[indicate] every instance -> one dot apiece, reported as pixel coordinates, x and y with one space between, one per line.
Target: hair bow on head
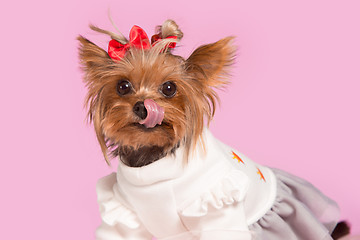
137 39
156 38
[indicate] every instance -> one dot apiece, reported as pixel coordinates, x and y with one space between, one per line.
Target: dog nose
140 110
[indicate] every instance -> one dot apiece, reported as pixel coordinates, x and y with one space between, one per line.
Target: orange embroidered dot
261 175
235 156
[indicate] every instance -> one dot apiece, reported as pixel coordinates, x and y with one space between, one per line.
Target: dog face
150 102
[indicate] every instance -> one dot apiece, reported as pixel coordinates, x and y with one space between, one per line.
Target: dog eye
123 87
168 89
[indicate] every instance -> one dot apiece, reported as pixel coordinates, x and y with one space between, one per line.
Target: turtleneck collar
166 168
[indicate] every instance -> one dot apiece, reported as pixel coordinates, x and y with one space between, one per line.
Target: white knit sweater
216 195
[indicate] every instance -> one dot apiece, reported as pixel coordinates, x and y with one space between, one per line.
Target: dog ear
91 56
95 63
211 62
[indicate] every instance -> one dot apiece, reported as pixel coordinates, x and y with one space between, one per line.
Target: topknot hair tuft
169 28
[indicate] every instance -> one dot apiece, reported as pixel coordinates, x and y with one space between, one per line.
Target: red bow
138 39
156 38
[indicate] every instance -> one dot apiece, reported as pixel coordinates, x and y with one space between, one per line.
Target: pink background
293 102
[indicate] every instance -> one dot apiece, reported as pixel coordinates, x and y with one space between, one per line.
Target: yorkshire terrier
175 180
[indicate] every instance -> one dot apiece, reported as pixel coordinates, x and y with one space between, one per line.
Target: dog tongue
155 114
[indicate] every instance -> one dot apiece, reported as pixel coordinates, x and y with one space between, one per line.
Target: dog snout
140 110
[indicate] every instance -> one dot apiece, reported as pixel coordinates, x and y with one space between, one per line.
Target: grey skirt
300 212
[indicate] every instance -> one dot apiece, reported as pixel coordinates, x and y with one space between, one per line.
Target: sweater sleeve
118 220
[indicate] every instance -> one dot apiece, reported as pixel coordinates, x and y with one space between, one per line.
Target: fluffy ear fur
211 62
209 66
91 56
96 63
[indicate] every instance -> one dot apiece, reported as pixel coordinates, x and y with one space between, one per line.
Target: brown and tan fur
116 125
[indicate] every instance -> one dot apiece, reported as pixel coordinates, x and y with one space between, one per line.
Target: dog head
145 101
